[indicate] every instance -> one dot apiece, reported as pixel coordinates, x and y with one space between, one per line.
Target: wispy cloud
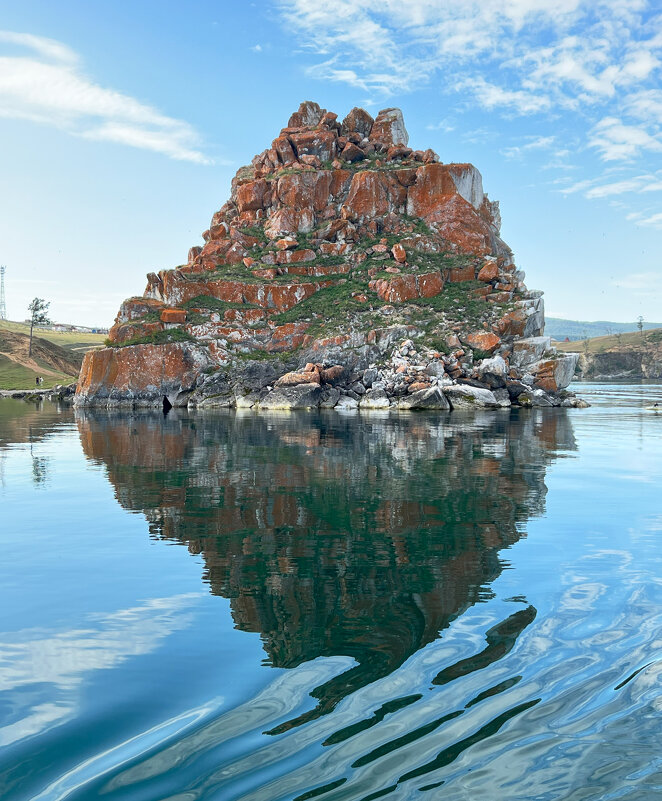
605 187
568 52
617 141
651 221
528 144
44 82
638 281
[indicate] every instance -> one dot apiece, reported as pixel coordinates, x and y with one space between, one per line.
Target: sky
121 126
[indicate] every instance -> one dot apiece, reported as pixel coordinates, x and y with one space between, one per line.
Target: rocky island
346 270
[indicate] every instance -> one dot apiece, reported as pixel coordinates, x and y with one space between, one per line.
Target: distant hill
78 341
559 329
54 364
628 355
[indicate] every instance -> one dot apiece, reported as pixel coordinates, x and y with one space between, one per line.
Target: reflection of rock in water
332 534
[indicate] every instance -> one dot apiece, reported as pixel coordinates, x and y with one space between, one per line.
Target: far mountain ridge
559 328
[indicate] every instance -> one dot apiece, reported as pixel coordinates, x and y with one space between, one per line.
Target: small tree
640 325
38 316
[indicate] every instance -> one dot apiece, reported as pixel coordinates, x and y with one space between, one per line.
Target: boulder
554 374
284 150
502 396
566 364
483 340
309 114
322 144
298 377
489 272
399 253
389 128
357 121
432 398
346 404
462 396
329 397
493 372
529 350
352 153
301 396
375 399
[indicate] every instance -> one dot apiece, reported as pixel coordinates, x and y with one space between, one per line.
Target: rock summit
346 270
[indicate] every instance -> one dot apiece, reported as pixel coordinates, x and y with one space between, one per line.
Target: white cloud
604 187
257 48
591 47
490 96
638 281
617 141
46 85
531 143
442 125
653 221
639 184
645 105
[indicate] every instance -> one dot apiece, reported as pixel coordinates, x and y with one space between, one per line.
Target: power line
3 305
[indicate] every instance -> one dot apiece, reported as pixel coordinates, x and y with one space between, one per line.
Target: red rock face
289 221
459 274
141 372
252 196
305 190
367 197
125 332
173 316
288 337
432 187
135 308
459 223
176 289
295 256
408 287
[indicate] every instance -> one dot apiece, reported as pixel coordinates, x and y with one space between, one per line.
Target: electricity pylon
3 305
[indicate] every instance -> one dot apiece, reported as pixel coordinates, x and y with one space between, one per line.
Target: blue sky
121 126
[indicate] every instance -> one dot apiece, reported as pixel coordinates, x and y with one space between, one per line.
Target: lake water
229 606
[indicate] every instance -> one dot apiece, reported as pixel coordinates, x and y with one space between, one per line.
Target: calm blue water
227 606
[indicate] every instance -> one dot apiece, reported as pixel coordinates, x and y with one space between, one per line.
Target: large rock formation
340 247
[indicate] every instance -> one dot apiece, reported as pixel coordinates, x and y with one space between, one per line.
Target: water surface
230 606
